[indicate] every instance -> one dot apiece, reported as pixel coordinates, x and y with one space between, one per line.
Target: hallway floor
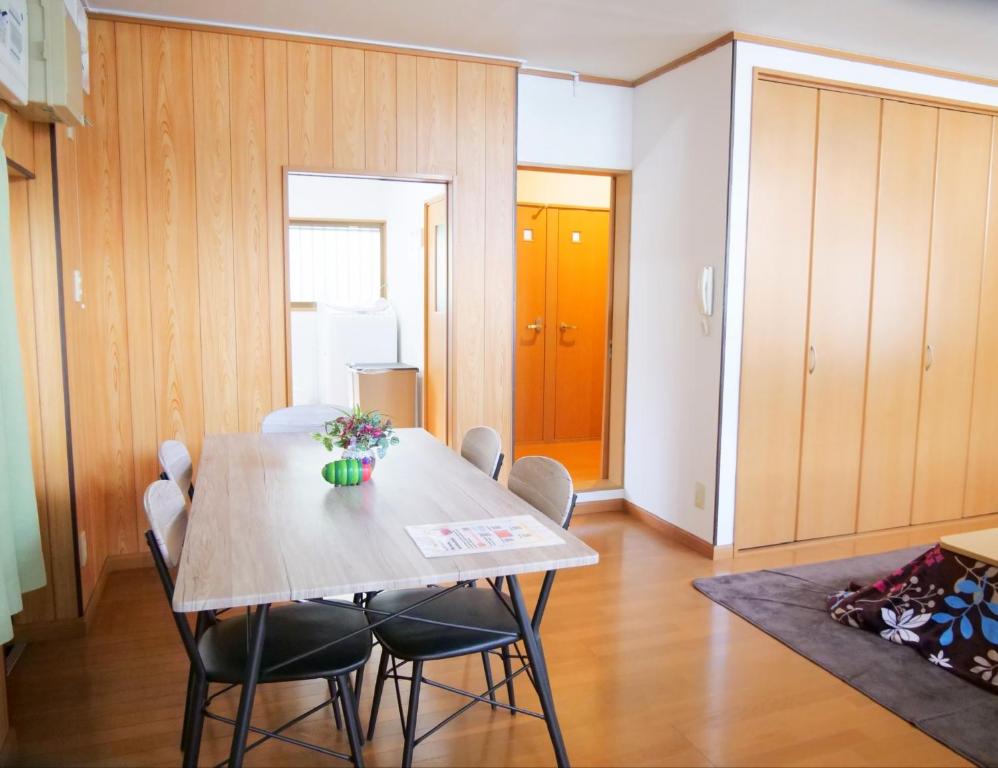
582 458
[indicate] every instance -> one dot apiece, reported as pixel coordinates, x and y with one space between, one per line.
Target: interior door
531 282
958 232
437 302
845 198
982 469
894 373
776 278
580 323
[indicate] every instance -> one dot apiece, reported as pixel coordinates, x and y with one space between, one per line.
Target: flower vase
366 459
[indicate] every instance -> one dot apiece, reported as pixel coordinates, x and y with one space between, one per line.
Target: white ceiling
619 38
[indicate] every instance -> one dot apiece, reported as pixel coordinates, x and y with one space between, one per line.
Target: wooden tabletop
265 527
981 545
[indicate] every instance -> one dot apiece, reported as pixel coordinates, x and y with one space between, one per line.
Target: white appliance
324 342
56 60
13 51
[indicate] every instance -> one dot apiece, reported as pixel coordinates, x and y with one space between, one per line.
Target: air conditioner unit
13 51
55 62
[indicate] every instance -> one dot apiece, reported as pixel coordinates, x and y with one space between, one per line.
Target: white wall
584 125
400 205
681 139
748 57
550 188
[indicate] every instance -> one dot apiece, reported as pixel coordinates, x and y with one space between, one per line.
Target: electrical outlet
700 496
83 549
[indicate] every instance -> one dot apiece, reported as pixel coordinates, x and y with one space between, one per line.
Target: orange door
583 249
531 268
436 298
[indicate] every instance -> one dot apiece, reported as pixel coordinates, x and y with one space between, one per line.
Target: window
340 264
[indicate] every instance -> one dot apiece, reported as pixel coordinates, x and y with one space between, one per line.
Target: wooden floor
582 458
645 670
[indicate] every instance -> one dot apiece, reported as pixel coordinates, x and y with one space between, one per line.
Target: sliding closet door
841 264
982 466
958 231
901 256
776 279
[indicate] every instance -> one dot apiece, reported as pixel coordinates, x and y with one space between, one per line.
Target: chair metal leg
411 715
349 702
251 675
335 703
379 687
487 666
358 686
188 709
535 655
507 668
197 704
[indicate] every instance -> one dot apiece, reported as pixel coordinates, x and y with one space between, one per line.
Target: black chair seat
291 629
417 641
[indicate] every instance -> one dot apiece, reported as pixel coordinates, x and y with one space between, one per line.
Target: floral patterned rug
791 604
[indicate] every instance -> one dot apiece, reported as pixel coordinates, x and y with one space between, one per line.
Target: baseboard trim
128 562
43 631
920 533
599 505
674 533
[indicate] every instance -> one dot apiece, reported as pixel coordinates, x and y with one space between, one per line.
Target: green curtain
21 566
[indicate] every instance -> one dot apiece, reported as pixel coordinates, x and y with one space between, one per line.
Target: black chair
217 650
490 620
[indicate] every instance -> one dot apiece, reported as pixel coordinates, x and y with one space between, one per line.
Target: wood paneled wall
179 187
32 234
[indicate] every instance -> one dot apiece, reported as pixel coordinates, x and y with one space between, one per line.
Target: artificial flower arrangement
362 435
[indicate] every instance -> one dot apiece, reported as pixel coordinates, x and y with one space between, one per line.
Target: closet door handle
812 359
929 356
537 325
567 327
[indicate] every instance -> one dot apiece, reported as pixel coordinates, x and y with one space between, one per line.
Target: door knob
537 325
567 327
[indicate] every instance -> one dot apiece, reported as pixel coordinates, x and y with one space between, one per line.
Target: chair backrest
166 510
546 485
300 418
175 461
482 446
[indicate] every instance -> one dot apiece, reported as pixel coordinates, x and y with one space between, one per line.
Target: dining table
265 527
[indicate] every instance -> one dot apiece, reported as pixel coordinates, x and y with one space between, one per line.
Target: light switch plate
576 237
700 496
528 235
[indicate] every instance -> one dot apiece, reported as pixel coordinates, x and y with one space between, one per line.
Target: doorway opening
566 381
368 295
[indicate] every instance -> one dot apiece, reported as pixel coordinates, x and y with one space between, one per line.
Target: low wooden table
265 528
982 545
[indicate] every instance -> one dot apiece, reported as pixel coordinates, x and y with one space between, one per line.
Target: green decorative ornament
343 472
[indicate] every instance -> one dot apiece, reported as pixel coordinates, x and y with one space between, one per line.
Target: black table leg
252 674
535 655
